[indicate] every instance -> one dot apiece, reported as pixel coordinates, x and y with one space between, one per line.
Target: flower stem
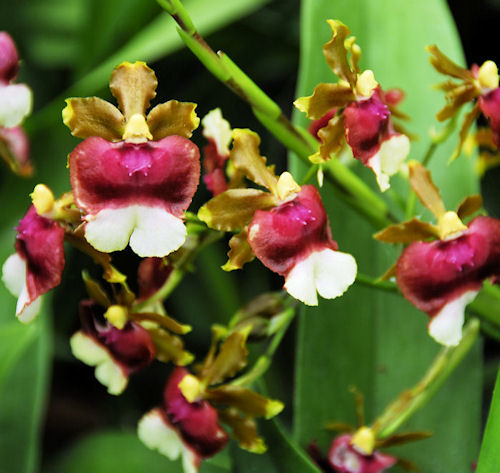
349 186
264 361
368 281
413 399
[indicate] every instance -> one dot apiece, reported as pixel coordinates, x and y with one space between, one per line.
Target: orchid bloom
133 175
442 276
37 265
15 105
479 84
115 352
188 423
286 228
355 108
218 132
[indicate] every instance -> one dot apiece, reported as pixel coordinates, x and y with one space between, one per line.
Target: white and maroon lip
135 192
294 240
15 104
9 59
443 276
37 265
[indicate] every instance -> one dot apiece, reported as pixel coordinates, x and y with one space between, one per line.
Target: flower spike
133 175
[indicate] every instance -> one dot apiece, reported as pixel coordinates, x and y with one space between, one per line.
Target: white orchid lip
15 104
327 272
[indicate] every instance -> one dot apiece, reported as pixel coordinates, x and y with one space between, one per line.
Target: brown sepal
244 430
173 118
133 86
469 120
95 291
93 116
164 321
332 139
446 66
234 208
240 252
425 189
470 205
324 98
336 54
170 348
407 232
401 439
246 157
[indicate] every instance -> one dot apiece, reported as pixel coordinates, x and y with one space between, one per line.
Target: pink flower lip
490 106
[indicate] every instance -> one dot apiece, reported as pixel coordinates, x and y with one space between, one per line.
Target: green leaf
371 339
489 456
123 452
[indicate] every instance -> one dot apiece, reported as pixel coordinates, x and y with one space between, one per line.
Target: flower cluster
355 109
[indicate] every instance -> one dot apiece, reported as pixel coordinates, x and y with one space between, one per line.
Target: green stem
264 361
368 281
487 305
349 186
411 400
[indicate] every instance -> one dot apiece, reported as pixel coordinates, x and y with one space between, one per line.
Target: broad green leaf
377 341
123 452
489 457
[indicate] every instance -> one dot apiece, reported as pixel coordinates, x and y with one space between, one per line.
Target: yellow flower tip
302 103
205 215
273 408
287 186
488 75
117 315
186 329
450 225
366 83
258 446
336 24
190 387
185 359
363 440
229 267
137 129
67 112
320 176
470 144
43 199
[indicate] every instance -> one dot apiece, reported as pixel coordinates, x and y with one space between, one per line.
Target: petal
299 282
246 157
446 66
27 309
110 229
156 433
93 117
331 140
216 128
426 190
133 85
161 173
90 352
234 208
14 149
9 59
336 54
15 104
324 98
446 326
407 232
335 271
156 232
14 274
173 118
240 252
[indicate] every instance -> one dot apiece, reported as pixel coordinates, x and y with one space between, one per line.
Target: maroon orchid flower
134 176
355 110
37 265
115 352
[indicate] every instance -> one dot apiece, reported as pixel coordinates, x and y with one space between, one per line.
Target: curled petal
246 158
331 140
407 232
15 104
173 118
133 86
446 66
426 190
218 130
93 117
244 430
234 208
469 206
240 252
336 54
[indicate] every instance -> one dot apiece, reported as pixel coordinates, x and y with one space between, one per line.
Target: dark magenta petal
431 274
131 347
344 458
366 125
151 276
40 242
490 106
286 234
213 165
197 421
9 59
316 125
15 149
161 173
392 96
